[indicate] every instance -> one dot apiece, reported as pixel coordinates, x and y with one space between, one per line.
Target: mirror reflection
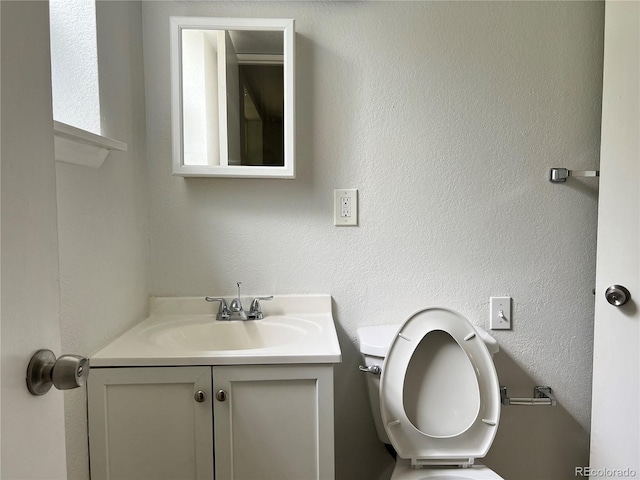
262 114
235 99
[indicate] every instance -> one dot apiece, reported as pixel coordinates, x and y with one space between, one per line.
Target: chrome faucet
235 311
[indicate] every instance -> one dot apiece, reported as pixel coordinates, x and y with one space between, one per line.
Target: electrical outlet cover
345 207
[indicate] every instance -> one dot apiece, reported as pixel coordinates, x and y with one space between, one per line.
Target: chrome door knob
65 372
617 295
200 396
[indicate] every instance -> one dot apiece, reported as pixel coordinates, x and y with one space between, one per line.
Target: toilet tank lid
376 340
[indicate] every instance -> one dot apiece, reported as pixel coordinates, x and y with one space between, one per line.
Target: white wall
102 217
446 116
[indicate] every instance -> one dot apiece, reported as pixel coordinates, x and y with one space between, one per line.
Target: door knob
617 295
200 396
68 371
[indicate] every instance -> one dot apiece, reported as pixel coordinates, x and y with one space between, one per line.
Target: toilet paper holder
541 396
560 175
65 372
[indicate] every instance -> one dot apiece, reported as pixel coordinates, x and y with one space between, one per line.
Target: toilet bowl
434 394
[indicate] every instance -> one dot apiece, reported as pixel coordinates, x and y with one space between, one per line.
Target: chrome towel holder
541 396
560 175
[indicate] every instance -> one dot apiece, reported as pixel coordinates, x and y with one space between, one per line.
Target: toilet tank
374 344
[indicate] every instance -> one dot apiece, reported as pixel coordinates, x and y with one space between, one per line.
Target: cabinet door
276 422
145 423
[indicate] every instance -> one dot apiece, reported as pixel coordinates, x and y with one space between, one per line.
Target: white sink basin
207 334
184 331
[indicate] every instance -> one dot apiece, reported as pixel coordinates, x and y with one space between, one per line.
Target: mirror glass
232 86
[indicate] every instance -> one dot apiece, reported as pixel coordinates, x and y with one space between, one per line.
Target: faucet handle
223 310
255 311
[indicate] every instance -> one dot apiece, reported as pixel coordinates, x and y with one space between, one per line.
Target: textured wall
446 117
74 66
102 217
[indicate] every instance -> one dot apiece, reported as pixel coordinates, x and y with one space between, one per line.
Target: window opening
74 64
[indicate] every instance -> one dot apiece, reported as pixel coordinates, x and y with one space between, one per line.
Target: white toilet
437 399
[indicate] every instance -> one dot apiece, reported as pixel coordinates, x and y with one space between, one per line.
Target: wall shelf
79 147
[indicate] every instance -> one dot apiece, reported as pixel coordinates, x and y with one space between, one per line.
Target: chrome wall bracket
541 396
560 175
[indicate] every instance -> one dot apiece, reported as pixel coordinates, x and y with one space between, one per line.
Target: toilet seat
404 471
439 391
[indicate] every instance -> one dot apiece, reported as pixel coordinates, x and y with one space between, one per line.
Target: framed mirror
232 87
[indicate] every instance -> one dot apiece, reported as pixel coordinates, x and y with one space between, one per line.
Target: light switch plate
345 207
500 313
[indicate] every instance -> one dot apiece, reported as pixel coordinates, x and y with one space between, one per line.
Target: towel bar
541 396
559 175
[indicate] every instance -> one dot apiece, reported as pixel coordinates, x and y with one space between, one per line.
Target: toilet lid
439 391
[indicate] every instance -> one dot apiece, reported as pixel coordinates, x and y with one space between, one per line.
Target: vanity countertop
184 331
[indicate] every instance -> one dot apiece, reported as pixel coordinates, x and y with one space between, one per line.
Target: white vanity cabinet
259 422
